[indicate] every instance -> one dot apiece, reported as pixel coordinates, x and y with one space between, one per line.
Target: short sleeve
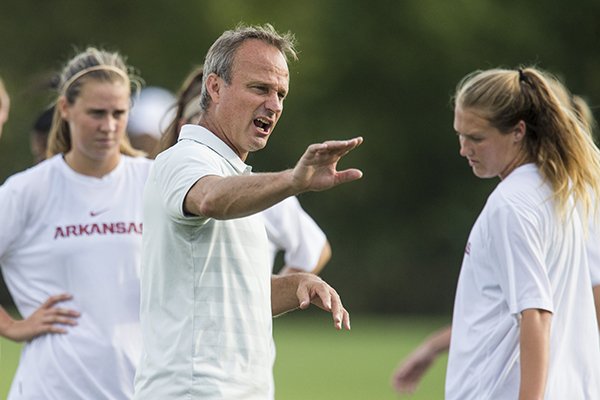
294 232
177 170
517 246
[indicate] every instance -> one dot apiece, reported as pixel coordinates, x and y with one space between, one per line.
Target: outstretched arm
289 292
46 319
238 196
410 371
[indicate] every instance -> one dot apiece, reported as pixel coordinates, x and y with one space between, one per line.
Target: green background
316 362
381 69
385 70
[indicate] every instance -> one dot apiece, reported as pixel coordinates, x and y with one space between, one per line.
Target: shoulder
137 166
137 162
524 186
189 154
37 174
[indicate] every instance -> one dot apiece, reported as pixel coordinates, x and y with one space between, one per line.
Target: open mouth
263 124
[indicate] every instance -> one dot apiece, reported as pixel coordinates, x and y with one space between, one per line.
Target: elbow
204 207
210 209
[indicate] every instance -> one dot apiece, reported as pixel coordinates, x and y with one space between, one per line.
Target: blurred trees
385 70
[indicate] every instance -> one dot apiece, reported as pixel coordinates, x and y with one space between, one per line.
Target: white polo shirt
63 232
206 289
521 256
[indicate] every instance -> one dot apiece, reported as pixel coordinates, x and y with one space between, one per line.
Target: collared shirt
206 289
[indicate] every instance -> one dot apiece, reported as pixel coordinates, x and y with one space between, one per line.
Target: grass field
314 361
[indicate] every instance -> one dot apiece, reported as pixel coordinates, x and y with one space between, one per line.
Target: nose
109 124
464 150
274 103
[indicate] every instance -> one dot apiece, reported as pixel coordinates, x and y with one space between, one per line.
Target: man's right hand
316 169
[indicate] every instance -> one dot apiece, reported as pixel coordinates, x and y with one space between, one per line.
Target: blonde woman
524 323
70 243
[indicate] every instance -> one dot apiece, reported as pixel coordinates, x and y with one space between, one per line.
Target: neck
214 128
521 159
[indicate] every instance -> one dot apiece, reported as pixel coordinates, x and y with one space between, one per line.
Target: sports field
314 361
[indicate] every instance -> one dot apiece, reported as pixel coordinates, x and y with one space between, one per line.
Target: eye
97 113
261 89
118 114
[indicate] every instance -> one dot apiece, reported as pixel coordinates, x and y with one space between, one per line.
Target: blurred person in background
71 239
208 293
4 105
38 137
151 113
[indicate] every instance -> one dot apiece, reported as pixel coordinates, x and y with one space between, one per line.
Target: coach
208 295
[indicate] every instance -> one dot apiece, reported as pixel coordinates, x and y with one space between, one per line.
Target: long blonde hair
91 64
556 139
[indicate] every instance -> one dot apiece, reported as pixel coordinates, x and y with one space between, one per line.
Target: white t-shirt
206 287
291 230
521 256
593 247
63 232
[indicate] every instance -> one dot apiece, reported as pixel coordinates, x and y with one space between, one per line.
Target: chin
483 174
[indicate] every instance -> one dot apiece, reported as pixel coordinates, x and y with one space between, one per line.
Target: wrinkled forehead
255 57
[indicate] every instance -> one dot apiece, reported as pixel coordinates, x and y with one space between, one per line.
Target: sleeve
13 215
517 245
593 249
179 170
292 230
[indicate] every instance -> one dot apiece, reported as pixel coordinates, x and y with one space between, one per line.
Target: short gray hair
220 56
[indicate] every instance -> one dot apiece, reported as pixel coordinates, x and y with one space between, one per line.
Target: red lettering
119 228
58 232
108 228
71 230
83 229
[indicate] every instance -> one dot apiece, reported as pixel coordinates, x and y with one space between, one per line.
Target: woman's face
489 151
97 120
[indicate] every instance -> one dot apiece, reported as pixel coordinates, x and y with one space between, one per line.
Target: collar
200 134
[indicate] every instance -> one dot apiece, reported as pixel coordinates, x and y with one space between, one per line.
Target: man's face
247 109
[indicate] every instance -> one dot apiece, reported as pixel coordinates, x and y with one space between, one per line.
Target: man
208 295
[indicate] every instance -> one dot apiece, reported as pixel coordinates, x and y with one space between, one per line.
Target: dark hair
189 91
43 122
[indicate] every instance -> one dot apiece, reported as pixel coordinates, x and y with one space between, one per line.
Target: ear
520 130
63 107
214 84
